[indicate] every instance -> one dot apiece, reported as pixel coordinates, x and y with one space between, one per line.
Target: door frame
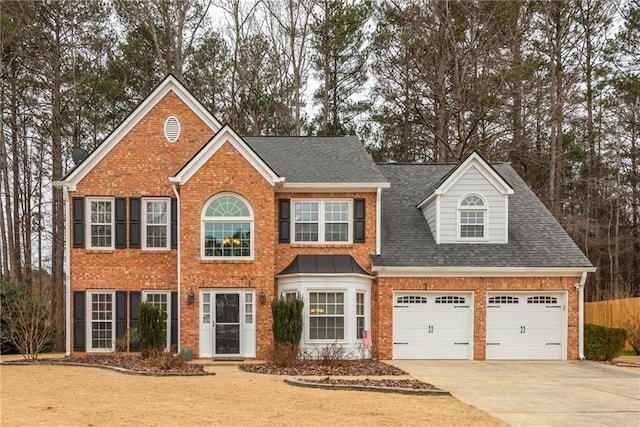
246 317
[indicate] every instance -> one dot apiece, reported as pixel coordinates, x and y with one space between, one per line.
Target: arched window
472 218
227 228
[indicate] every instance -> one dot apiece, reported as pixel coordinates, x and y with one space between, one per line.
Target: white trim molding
169 84
332 187
226 135
383 271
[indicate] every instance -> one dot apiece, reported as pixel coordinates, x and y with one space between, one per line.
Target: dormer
470 204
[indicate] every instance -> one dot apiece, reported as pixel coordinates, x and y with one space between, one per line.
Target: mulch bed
360 367
125 363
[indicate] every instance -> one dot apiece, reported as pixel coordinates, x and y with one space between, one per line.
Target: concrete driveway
539 393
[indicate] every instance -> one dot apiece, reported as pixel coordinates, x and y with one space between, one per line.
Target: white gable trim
473 160
382 271
224 135
169 84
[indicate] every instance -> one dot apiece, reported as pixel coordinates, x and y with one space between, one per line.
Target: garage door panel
432 326
525 325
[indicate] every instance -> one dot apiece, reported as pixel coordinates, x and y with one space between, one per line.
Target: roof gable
169 84
473 160
224 135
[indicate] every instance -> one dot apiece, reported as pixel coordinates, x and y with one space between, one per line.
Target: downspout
378 214
580 287
175 191
67 272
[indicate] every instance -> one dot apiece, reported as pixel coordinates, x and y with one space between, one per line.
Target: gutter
177 193
580 286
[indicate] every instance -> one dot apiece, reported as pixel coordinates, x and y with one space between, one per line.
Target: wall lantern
191 297
263 298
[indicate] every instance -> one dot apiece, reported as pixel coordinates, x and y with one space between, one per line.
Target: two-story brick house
425 261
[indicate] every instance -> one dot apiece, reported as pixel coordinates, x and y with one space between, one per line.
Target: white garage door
526 325
429 325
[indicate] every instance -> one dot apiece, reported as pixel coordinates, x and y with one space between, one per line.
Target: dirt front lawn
82 396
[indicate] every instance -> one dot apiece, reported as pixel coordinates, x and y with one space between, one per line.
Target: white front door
432 325
526 325
227 322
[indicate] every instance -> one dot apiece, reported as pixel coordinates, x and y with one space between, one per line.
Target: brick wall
139 165
382 304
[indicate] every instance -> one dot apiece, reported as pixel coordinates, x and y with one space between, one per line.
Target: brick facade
140 165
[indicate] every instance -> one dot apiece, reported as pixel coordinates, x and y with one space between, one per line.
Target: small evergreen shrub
152 332
287 329
603 343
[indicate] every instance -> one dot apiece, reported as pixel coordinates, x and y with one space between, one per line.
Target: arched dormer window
227 228
472 218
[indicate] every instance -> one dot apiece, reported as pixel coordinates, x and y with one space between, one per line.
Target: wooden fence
613 313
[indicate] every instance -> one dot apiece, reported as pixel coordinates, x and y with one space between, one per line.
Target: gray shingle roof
305 159
536 239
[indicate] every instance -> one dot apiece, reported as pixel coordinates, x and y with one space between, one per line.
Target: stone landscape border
359 387
112 368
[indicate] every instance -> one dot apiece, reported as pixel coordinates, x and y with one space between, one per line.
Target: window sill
155 251
100 251
320 245
227 261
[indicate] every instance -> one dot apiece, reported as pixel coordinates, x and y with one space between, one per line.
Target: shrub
24 320
287 329
333 355
152 332
632 327
602 343
163 361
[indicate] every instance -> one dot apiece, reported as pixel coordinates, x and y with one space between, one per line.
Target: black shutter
121 222
174 320
121 315
78 222
284 222
174 223
78 321
359 220
134 319
134 222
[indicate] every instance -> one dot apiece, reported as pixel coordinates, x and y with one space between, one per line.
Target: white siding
429 212
473 182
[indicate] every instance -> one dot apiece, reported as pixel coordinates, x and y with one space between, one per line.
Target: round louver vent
172 129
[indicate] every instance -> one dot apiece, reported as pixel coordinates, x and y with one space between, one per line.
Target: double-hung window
161 300
227 228
156 220
322 221
101 217
101 320
326 315
472 217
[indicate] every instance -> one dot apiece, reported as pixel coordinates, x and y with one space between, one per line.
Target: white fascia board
226 134
329 187
169 84
323 275
427 200
487 171
382 271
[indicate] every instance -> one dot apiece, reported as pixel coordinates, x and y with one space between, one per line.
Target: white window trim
484 209
88 239
321 221
145 294
345 316
167 202
89 321
243 219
